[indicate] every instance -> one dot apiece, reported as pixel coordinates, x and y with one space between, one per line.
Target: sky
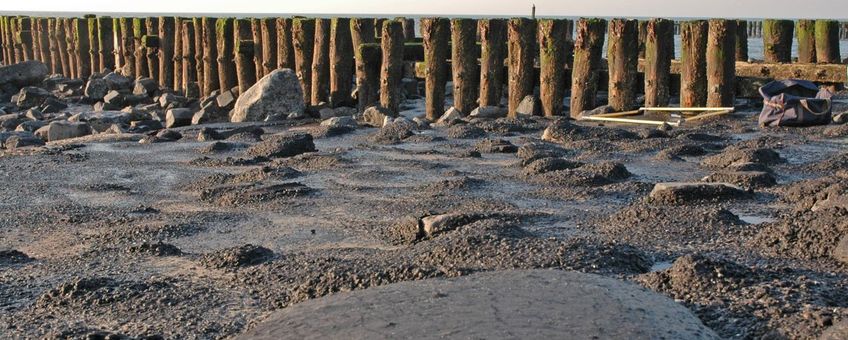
833 9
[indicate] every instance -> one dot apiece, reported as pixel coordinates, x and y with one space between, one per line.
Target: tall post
827 41
588 47
70 46
742 30
392 69
464 63
256 32
94 44
197 24
805 31
269 44
82 47
777 40
178 54
436 34
106 42
285 50
321 62
408 29
138 30
522 33
189 63
4 45
659 46
44 42
643 34
127 46
36 40
623 58
721 68
552 40
55 59
492 52
367 59
166 51
211 80
24 37
244 55
303 33
693 59
151 47
341 62
61 46
226 51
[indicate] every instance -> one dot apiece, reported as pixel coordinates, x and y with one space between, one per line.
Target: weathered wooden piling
82 47
256 32
303 33
152 44
44 42
285 50
106 42
197 23
189 62
623 61
16 50
269 44
742 40
24 37
378 27
166 51
552 39
224 37
777 40
61 46
391 70
588 45
341 62
70 46
321 63
53 45
94 44
659 46
367 60
643 33
522 33
408 29
140 52
36 40
178 54
827 41
721 68
211 80
492 51
805 30
464 63
244 55
436 35
4 45
693 58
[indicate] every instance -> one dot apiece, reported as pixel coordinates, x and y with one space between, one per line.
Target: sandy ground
181 241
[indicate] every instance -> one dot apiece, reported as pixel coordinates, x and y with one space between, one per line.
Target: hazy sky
628 8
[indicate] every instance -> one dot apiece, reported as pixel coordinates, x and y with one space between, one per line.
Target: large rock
375 116
529 106
23 74
32 96
449 117
285 145
678 193
488 112
178 117
118 82
340 122
96 89
526 304
277 93
63 130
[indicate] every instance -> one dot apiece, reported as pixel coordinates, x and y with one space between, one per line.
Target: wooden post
693 58
269 45
623 60
24 37
36 40
643 34
256 32
44 43
659 46
464 64
82 47
777 40
106 43
178 54
3 43
61 46
522 33
552 39
189 63
70 47
53 43
244 50
392 69
378 27
303 33
285 49
436 34
151 47
94 44
341 62
367 59
742 40
588 47
408 29
211 80
806 33
138 31
492 52
827 41
226 51
166 51
321 62
197 25
721 68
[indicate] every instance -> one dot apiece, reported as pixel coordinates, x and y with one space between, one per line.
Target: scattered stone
32 96
178 117
227 99
737 156
20 141
393 132
96 89
209 134
376 115
532 151
345 121
604 109
118 82
489 112
283 145
115 99
549 164
495 146
59 130
679 193
529 106
23 74
218 146
31 125
169 135
746 179
145 87
170 100
277 92
450 117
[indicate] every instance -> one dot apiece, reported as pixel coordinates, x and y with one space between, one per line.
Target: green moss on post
226 66
721 63
827 41
303 36
588 45
806 33
464 62
777 40
623 58
552 39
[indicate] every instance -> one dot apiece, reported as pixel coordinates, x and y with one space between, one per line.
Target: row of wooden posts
201 55
756 29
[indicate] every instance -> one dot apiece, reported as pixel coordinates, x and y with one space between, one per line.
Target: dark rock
285 145
243 256
495 146
178 117
745 179
679 193
31 96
